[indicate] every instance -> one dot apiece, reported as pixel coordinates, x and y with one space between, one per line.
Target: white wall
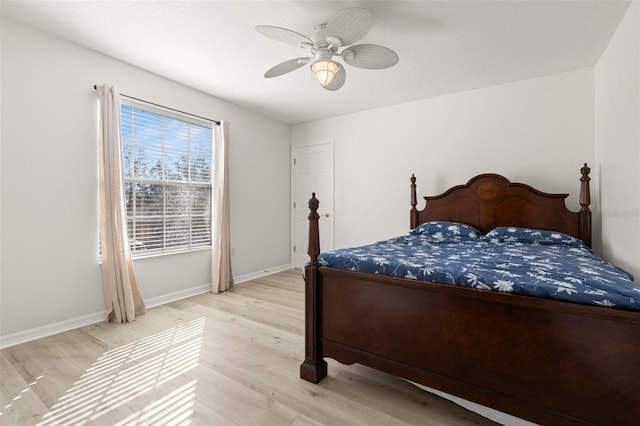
50 277
617 143
538 131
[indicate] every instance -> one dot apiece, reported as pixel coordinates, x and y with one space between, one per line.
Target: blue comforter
514 260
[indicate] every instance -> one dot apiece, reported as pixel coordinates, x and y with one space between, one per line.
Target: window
166 162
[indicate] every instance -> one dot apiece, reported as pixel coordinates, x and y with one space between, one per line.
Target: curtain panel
122 297
221 276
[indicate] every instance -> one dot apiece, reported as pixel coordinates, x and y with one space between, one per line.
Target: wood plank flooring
225 359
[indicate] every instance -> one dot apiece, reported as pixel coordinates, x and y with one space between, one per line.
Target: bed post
413 216
314 367
584 220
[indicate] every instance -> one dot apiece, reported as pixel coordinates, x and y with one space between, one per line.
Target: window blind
167 180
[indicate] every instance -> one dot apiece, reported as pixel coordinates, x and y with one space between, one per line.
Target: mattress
511 260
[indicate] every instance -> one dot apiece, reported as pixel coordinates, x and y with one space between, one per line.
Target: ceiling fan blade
282 34
370 56
285 67
338 80
350 25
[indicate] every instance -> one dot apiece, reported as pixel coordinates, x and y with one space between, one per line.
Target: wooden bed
546 361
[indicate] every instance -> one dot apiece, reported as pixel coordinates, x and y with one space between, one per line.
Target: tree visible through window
167 180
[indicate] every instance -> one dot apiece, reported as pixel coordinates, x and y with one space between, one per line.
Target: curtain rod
165 107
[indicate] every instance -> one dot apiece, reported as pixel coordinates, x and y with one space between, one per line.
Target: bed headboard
491 200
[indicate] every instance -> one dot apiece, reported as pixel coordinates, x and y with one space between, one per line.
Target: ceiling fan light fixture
324 71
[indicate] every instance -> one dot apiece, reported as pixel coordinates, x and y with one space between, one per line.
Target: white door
312 172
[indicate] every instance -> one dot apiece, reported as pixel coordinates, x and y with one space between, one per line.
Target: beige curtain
123 300
221 277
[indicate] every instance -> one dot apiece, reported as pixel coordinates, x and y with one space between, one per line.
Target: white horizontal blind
167 180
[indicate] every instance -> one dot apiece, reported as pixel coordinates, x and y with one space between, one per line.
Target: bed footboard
546 361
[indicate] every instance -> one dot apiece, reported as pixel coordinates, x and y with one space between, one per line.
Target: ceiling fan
341 31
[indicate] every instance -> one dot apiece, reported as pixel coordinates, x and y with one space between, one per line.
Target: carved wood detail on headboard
490 200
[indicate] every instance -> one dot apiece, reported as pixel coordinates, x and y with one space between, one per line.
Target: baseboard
252 276
177 295
194 291
71 324
50 329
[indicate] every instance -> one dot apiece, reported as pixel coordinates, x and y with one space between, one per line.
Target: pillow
446 231
512 234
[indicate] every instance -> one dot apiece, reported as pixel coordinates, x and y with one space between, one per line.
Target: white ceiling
444 46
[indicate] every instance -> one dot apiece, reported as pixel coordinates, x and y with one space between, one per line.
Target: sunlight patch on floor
127 373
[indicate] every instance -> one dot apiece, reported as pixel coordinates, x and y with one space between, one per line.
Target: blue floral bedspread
514 260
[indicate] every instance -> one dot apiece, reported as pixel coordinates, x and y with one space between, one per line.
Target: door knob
326 215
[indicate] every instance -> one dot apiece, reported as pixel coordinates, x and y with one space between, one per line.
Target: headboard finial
585 194
414 202
585 200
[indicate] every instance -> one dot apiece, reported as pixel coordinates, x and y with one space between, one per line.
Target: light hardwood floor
225 359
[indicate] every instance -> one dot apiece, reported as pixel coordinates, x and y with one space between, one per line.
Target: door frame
331 143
